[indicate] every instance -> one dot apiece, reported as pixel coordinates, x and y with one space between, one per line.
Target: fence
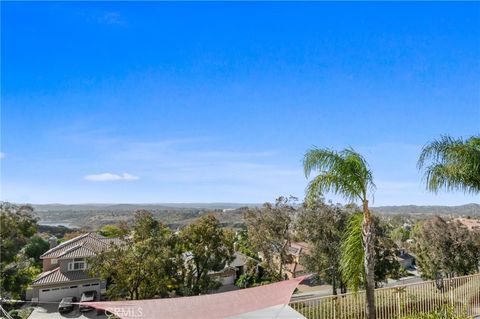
462 294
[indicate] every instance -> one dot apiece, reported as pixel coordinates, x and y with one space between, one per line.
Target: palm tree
452 164
346 173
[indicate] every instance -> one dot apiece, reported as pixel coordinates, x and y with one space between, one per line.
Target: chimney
53 241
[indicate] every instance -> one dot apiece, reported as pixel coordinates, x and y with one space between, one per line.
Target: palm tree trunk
369 260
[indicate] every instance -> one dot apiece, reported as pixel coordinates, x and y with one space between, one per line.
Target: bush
14 314
443 313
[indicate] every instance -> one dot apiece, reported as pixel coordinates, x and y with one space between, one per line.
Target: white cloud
105 177
129 177
2 155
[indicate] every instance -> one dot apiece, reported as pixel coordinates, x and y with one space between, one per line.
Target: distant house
296 250
65 269
470 224
405 259
407 227
233 270
226 276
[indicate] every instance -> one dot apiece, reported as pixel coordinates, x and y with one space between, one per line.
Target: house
233 270
226 276
405 259
65 269
296 250
470 224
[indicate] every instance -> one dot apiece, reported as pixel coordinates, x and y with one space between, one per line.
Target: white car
87 296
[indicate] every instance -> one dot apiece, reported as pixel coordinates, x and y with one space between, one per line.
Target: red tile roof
56 276
82 246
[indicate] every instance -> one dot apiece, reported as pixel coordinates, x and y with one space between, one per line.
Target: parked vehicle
66 305
87 296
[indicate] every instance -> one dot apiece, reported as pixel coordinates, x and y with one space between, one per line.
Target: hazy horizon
207 203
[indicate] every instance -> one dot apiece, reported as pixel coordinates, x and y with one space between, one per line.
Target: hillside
92 216
130 207
468 209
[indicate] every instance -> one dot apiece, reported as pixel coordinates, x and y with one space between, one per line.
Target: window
54 261
77 264
45 290
73 287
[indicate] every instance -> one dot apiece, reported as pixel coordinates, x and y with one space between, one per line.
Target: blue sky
218 102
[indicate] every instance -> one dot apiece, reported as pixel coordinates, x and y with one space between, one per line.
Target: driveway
315 291
50 311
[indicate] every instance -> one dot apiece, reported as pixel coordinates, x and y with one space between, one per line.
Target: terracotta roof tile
56 276
82 246
79 251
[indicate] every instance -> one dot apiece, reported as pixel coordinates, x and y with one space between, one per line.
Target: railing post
335 308
398 291
450 293
398 304
425 297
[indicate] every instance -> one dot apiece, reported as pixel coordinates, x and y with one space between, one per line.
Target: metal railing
461 294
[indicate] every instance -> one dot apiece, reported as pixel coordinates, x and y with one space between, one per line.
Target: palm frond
332 182
344 173
352 253
319 160
360 167
451 164
450 177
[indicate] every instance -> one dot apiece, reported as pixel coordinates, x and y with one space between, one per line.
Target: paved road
404 281
49 311
326 290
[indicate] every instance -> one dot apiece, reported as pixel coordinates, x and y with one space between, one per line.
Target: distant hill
133 207
472 209
468 209
93 216
175 215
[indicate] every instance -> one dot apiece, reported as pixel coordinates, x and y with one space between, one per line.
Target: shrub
443 313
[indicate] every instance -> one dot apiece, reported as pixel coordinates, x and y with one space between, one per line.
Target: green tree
400 235
346 173
452 164
322 227
17 225
145 266
445 249
206 247
269 230
386 250
16 276
113 231
35 247
244 245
